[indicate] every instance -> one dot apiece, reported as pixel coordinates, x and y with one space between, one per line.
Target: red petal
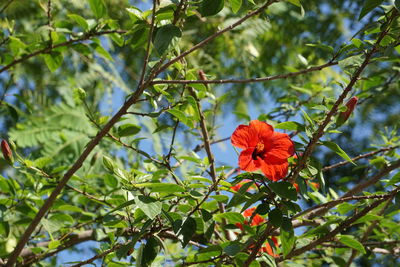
249 212
275 169
244 137
263 129
246 161
281 146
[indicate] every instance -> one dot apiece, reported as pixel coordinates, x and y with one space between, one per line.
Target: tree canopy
206 133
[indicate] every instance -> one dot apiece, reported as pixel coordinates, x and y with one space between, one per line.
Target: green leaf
235 5
107 162
149 206
53 60
284 190
102 52
162 187
98 8
368 7
54 244
287 236
211 7
188 230
78 19
165 36
394 180
128 130
397 5
150 251
231 217
275 217
295 2
233 248
351 242
134 13
178 114
336 148
291 126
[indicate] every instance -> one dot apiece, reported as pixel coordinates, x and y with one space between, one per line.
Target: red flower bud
7 153
202 75
350 105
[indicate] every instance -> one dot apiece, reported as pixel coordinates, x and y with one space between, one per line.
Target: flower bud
202 75
7 153
344 115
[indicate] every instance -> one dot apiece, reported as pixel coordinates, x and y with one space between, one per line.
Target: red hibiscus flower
268 249
257 219
263 149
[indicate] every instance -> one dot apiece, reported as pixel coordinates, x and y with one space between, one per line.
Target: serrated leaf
211 7
336 148
368 7
284 190
351 242
128 130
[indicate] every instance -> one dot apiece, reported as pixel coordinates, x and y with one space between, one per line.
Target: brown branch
335 202
355 190
252 80
213 36
321 129
146 58
50 48
6 5
369 230
342 226
370 154
93 143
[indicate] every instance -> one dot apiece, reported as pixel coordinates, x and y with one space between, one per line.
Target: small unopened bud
350 106
7 153
202 75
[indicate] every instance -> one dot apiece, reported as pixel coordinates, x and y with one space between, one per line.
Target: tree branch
342 226
370 154
321 129
50 48
211 37
252 80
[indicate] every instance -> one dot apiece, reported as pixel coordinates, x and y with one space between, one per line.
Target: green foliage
152 176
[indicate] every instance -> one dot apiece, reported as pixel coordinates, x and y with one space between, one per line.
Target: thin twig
252 80
370 154
369 230
335 202
213 36
93 143
146 58
66 43
342 226
6 5
357 189
321 129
